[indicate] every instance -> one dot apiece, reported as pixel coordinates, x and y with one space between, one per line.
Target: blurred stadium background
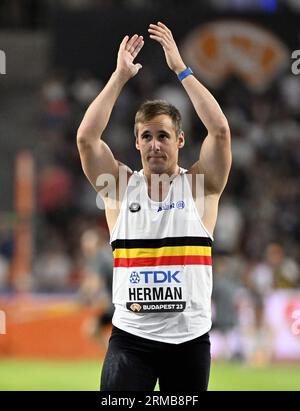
55 262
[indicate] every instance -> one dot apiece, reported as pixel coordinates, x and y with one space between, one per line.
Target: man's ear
137 144
181 140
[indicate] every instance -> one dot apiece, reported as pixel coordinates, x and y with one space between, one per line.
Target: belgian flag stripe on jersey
160 261
160 252
162 242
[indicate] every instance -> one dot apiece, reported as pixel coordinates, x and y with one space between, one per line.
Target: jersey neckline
141 172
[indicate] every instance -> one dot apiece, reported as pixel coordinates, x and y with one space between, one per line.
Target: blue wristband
185 73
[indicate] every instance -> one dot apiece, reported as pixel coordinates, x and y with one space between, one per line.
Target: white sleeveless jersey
162 279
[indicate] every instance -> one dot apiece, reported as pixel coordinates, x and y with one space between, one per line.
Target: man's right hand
129 49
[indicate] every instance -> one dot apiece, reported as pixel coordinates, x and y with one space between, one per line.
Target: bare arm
96 157
215 154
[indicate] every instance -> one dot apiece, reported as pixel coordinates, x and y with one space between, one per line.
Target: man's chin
157 168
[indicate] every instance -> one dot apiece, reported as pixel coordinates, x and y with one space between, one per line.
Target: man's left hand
163 35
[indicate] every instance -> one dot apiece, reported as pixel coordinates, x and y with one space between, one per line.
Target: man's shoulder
195 168
124 174
124 167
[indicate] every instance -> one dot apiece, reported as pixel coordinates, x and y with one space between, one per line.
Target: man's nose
155 145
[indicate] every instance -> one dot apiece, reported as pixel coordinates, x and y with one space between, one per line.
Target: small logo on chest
165 207
134 207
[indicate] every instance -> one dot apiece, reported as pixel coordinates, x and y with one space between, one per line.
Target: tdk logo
165 207
155 277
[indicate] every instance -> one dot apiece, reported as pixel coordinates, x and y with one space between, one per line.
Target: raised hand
163 35
129 49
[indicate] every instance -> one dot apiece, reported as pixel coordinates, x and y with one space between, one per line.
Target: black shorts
134 364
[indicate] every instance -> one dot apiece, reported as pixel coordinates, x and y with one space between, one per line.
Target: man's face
159 145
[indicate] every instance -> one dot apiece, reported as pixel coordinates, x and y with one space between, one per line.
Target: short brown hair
152 108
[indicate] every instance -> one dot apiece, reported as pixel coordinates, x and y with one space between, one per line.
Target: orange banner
236 48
